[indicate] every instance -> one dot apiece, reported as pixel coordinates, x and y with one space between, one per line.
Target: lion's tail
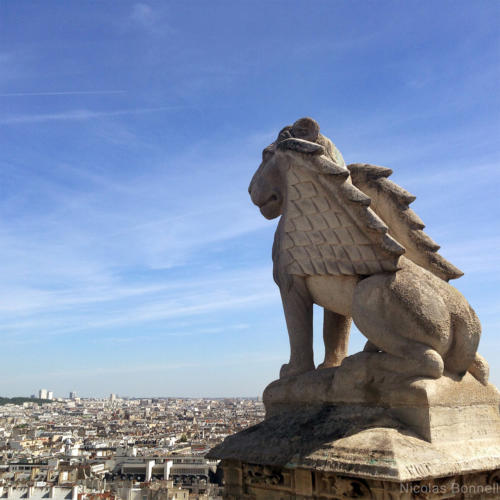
463 356
480 369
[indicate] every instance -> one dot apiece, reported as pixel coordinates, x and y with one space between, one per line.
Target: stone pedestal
343 433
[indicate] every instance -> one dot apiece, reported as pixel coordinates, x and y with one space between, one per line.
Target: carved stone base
446 409
358 441
338 433
246 481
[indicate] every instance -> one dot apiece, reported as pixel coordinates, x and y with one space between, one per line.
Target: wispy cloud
142 14
125 249
181 299
11 66
151 20
81 115
252 357
476 256
62 93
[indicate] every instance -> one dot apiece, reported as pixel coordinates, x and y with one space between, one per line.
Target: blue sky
132 259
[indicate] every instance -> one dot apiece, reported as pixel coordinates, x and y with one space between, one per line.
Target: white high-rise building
42 394
112 397
50 395
72 395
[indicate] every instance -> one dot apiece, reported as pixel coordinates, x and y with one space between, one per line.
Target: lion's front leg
336 330
298 308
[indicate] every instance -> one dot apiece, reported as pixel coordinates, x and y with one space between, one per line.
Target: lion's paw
289 370
285 370
324 365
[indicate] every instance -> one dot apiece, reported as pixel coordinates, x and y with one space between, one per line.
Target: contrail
70 92
79 115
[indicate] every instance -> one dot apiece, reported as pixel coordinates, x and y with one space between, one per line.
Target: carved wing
329 228
391 203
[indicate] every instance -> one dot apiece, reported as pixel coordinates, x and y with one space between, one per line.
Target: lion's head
300 144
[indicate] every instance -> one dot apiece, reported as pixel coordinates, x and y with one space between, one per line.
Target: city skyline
133 261
126 396
138 444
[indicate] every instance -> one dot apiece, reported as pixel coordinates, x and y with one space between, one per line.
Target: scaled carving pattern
322 238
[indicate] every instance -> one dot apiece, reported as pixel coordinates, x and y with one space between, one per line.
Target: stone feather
391 203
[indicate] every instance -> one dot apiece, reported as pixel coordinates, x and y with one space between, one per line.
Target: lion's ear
285 133
302 146
306 128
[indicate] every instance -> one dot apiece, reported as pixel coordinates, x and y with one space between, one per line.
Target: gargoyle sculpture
348 241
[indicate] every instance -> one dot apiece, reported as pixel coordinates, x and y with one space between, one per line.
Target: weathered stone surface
361 441
333 421
356 382
256 482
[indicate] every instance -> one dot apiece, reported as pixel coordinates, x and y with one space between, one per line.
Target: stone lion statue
348 241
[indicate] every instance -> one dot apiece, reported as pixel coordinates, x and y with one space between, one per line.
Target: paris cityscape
144 448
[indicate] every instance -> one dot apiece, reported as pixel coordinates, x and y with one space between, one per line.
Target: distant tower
72 395
50 395
112 397
149 470
42 394
70 448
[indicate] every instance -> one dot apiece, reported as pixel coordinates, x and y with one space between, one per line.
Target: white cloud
152 21
143 14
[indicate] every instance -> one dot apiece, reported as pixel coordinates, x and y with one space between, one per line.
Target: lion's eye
266 155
